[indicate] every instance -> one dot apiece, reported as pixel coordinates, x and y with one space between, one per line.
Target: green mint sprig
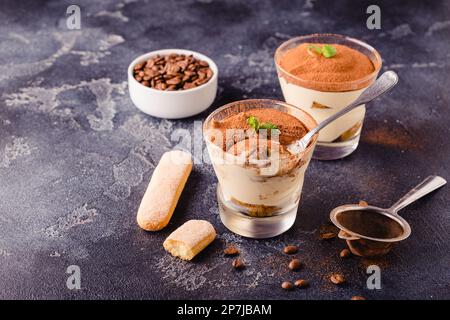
326 50
256 125
253 122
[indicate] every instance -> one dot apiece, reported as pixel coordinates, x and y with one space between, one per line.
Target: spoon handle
383 84
425 187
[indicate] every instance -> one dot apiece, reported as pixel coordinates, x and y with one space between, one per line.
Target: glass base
255 227
335 150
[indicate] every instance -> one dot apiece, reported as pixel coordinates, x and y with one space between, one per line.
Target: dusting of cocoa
381 262
290 128
346 66
392 138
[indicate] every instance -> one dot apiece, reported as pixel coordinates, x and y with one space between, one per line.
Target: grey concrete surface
76 155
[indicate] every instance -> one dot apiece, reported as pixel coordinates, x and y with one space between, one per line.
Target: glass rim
267 101
367 78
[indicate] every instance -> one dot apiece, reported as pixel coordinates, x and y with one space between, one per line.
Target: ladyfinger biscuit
164 190
189 239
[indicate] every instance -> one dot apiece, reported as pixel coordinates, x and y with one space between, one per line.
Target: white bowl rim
196 54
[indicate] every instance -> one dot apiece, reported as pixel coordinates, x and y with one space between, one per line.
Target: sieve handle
425 187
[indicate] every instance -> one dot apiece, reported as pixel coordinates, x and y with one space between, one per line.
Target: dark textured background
76 155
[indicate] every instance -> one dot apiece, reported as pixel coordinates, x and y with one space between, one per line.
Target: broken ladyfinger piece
164 190
189 239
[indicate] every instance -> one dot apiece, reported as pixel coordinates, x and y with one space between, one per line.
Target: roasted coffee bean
201 75
238 264
327 232
231 251
149 72
290 249
173 69
301 283
139 66
182 64
188 85
337 278
161 86
199 82
159 60
286 285
327 235
358 298
363 203
345 253
294 265
173 81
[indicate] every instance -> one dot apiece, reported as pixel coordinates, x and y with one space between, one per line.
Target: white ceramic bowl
172 104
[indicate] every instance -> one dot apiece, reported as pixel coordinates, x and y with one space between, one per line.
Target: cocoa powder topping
291 128
347 65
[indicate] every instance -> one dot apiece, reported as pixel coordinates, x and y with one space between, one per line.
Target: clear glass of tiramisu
260 173
322 74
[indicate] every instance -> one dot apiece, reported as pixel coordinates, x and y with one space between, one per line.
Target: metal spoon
382 85
372 231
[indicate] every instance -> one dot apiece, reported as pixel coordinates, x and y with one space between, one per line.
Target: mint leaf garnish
256 125
253 122
328 51
317 49
268 125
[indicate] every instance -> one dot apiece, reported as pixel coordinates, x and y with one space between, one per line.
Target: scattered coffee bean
327 235
287 285
358 298
290 249
301 283
337 278
173 72
238 264
345 253
363 203
327 232
294 265
231 251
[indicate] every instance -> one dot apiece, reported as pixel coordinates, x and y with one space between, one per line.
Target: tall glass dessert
260 173
322 74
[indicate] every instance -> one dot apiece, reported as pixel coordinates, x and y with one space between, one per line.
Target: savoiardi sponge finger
189 239
164 190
